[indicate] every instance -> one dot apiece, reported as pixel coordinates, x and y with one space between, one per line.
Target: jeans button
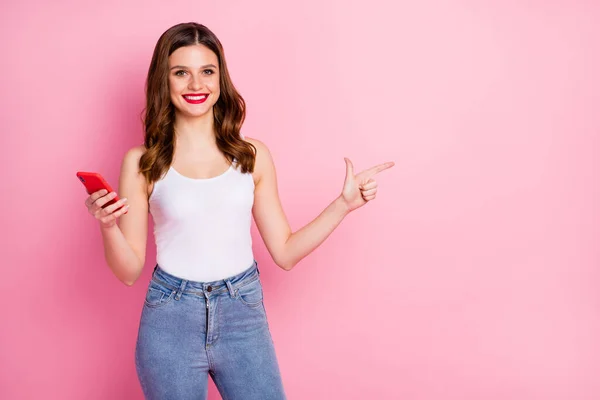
209 289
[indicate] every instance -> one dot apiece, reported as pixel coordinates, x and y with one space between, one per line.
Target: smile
195 98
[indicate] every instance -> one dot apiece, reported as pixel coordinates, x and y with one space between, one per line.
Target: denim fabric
190 329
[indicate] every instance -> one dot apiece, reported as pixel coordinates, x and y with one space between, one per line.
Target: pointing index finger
378 168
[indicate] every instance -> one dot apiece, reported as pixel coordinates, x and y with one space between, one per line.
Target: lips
195 98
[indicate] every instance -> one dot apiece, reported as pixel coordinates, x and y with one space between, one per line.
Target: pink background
473 275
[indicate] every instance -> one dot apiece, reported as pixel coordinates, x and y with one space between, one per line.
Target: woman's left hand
361 188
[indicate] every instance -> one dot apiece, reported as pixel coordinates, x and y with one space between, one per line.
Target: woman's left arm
287 248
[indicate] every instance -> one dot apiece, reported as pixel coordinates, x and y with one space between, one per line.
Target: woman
202 181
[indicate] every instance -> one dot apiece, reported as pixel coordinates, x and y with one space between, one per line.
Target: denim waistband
181 285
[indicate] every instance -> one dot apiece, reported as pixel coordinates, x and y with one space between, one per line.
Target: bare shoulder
130 167
131 160
264 161
135 153
260 146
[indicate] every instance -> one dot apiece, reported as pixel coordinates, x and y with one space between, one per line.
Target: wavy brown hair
158 117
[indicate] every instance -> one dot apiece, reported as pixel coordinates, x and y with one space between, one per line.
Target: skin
195 70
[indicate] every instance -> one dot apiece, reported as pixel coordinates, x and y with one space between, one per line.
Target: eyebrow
204 66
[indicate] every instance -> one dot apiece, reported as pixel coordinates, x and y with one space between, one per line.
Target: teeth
195 97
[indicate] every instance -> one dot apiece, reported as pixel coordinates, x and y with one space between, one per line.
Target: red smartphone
93 182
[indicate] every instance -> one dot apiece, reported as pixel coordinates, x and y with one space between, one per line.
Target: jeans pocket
250 294
157 295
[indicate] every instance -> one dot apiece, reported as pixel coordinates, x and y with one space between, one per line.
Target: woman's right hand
107 216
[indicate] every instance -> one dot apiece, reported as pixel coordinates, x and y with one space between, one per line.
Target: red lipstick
195 98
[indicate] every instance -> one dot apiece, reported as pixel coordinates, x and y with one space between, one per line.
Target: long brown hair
159 115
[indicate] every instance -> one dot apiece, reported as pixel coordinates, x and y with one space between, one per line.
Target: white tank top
202 226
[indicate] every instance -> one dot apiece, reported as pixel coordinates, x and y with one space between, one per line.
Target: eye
209 71
177 72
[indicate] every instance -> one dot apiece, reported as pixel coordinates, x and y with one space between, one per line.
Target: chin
196 113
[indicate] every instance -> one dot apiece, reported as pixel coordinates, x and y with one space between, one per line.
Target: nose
195 83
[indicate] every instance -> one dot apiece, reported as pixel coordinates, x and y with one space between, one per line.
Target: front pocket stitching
250 304
237 295
160 301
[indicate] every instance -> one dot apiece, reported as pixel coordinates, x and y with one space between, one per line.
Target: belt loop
256 262
230 287
181 289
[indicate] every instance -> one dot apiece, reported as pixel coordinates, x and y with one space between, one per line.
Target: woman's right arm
125 243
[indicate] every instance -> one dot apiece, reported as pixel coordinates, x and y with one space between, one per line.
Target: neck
195 133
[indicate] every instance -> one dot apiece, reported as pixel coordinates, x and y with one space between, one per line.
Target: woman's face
194 80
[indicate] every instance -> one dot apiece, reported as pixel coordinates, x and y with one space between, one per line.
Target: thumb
349 167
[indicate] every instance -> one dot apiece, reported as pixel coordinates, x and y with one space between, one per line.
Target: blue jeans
191 329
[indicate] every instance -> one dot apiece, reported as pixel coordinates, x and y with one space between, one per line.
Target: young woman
202 181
